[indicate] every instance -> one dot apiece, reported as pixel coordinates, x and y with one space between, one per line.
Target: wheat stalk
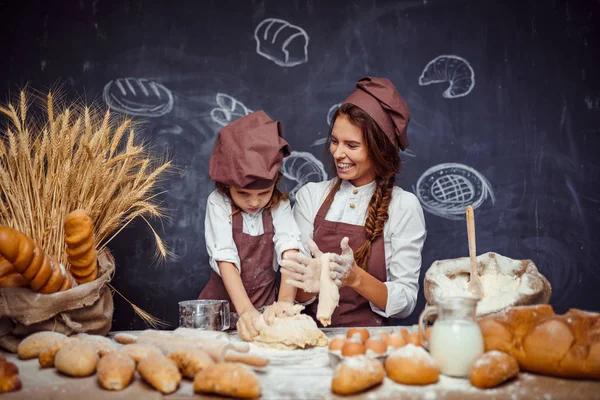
75 157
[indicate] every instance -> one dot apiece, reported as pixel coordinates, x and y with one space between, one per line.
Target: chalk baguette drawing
302 167
138 96
452 69
229 109
446 190
281 42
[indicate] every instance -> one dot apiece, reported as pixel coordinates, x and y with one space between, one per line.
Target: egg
336 343
364 333
396 340
376 344
353 347
385 336
413 338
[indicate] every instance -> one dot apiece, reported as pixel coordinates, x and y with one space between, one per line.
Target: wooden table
301 374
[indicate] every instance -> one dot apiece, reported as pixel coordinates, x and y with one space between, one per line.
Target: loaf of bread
46 358
81 248
9 377
542 342
190 361
356 374
42 272
492 369
77 359
412 365
228 379
160 372
33 345
102 344
115 371
139 351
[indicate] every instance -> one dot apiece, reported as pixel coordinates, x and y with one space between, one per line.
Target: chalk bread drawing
281 42
229 109
408 153
332 111
138 96
302 167
446 190
452 69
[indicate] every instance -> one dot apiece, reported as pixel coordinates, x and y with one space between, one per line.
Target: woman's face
350 153
251 201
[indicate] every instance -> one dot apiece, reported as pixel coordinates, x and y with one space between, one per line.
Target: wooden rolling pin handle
249 359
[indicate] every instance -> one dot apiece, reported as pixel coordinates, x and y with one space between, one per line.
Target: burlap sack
86 308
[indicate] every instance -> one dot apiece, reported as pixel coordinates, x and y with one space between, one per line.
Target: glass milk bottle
456 340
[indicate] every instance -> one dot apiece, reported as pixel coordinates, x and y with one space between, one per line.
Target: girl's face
350 153
251 201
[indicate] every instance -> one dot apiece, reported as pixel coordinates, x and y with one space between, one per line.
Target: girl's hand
304 272
249 324
341 265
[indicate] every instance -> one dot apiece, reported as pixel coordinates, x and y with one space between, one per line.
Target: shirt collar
364 190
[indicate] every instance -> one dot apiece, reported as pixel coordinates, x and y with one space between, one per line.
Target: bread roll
493 368
102 344
81 250
160 372
356 374
9 377
77 359
228 379
34 344
115 371
139 351
190 361
542 342
412 365
125 338
46 358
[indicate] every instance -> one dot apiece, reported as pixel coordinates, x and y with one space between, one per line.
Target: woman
379 228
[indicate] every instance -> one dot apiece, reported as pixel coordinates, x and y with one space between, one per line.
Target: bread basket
506 282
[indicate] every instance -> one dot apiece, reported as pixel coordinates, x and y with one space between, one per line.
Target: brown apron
353 309
256 261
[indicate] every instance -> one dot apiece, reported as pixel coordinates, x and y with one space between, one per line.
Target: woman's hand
304 272
341 265
281 309
249 324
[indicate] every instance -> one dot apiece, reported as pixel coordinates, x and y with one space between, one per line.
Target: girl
249 224
379 227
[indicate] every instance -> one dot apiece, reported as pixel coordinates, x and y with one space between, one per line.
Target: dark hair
386 158
276 197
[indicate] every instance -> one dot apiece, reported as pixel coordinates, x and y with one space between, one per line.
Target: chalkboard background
512 126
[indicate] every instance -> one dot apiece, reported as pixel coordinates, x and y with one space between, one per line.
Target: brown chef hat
379 98
249 152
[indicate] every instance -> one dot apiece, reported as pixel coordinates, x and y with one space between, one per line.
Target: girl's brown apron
353 309
256 260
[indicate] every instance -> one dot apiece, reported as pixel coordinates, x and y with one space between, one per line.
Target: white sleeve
218 232
304 213
287 234
407 235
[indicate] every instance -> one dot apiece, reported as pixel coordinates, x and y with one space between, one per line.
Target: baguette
566 346
115 371
42 272
228 379
160 372
356 374
81 250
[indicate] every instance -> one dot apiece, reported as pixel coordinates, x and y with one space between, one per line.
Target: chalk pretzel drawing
229 109
446 190
302 167
138 96
281 42
452 69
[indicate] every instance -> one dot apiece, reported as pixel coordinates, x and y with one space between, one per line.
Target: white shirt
403 233
218 232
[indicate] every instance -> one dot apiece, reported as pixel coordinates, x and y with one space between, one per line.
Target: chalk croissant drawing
332 111
446 190
281 42
229 109
452 69
138 96
302 167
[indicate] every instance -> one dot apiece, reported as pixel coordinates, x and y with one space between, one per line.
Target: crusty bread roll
160 372
492 369
42 272
139 351
115 371
81 249
125 338
34 344
9 377
190 361
542 342
356 374
46 358
412 365
102 344
228 379
76 359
